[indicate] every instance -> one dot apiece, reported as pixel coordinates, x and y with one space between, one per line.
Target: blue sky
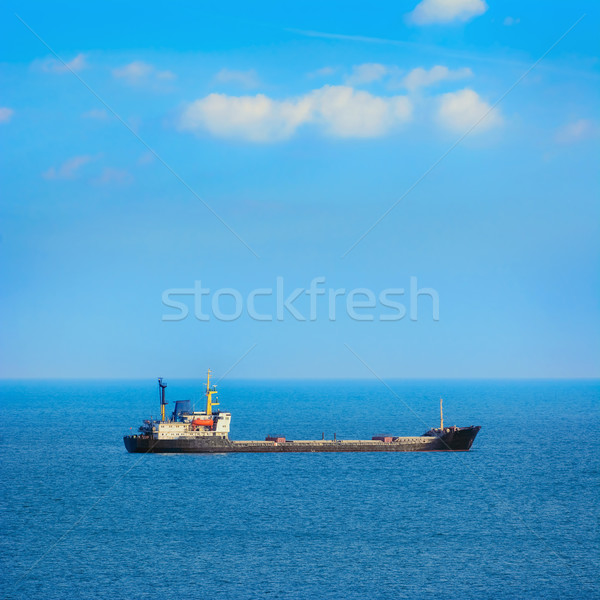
300 125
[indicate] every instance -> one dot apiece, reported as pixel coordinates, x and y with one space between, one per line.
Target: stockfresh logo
301 304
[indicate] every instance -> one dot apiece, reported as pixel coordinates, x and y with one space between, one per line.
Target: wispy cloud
430 12
419 77
322 72
51 65
353 38
339 111
112 176
6 114
69 169
367 73
444 51
577 131
509 21
247 79
458 111
139 73
146 158
96 113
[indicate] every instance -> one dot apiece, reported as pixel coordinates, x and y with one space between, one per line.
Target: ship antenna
441 415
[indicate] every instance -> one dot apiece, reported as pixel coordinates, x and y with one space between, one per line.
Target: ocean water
517 517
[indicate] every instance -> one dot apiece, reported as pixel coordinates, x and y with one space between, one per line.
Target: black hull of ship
457 439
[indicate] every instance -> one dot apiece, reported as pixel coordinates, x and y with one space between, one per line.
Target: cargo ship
207 432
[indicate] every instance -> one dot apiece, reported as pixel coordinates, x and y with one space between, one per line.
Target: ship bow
461 438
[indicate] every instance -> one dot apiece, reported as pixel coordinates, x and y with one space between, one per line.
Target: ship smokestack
161 393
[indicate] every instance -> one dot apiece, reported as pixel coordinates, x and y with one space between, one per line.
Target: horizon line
397 378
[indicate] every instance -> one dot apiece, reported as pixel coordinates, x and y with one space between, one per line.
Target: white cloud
254 118
114 176
420 77
577 131
96 113
458 111
69 169
141 73
6 114
508 21
340 111
345 112
366 73
51 65
248 79
446 11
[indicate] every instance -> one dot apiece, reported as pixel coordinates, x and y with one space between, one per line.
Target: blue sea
516 517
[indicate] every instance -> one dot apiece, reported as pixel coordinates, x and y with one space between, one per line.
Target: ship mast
441 415
161 392
209 393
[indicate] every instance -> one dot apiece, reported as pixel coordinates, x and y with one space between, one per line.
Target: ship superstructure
207 431
187 423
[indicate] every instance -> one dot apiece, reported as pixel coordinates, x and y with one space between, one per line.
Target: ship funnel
161 395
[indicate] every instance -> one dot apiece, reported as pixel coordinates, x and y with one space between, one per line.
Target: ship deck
331 445
397 440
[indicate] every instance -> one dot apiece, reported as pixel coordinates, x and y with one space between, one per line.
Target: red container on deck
383 438
278 440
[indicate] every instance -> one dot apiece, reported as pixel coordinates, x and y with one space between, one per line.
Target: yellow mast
209 393
441 415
